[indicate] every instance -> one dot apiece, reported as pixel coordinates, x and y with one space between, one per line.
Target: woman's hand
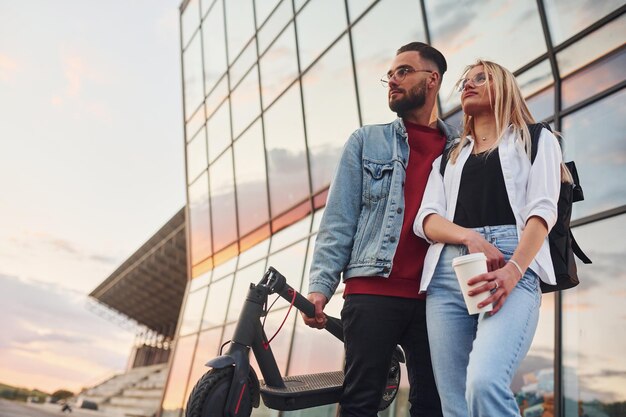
475 243
502 280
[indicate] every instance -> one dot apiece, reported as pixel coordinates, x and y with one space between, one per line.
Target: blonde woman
491 199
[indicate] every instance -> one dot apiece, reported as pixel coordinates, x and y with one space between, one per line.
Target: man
366 234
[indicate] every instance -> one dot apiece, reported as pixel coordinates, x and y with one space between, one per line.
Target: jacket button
392 239
399 210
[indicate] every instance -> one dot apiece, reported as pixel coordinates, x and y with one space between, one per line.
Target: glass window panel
243 278
207 348
290 263
254 253
594 138
461 32
329 123
243 63
223 201
594 323
357 7
192 75
279 66
304 288
224 269
239 25
218 131
192 315
281 343
311 40
373 53
251 178
536 78
290 234
568 17
541 105
275 23
200 281
214 46
298 4
592 46
314 351
194 123
264 8
196 156
199 219
178 376
286 158
245 102
534 380
594 79
217 302
190 20
205 6
317 220
216 97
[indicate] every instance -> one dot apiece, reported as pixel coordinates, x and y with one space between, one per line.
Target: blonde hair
509 108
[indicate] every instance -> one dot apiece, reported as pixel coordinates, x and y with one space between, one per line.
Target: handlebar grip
334 327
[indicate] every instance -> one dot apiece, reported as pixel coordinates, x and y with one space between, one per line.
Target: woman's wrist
517 267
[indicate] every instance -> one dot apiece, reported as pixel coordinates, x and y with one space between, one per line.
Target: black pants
373 325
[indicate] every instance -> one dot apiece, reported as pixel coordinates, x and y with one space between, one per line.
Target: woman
491 199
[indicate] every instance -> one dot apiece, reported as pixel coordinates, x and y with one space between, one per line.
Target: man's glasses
477 80
399 75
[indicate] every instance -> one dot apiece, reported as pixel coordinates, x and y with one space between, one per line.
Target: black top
483 200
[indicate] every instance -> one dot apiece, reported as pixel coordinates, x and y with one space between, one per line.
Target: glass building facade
273 89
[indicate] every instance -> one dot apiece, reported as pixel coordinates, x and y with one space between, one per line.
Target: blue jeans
475 357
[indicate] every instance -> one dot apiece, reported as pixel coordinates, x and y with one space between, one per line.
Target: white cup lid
472 257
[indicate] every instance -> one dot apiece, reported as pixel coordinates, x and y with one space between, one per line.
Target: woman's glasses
477 80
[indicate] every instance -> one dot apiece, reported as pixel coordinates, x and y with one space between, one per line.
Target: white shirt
533 190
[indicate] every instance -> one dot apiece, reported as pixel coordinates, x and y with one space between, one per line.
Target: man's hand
319 301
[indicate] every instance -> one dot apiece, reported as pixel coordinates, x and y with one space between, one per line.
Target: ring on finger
497 285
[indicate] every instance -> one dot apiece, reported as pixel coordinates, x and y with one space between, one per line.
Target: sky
91 166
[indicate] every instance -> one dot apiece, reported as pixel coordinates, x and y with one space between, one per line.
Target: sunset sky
91 165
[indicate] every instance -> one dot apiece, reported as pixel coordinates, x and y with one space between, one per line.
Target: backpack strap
578 251
444 160
535 132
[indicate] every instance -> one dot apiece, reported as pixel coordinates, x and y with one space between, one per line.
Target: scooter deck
304 391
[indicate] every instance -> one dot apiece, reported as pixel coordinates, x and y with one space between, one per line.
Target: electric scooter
231 388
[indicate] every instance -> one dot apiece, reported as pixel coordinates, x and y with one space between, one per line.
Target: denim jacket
358 236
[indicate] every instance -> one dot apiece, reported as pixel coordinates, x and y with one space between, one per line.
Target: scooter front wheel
208 397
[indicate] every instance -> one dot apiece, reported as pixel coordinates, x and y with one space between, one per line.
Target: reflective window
216 97
311 40
243 278
317 219
214 46
373 53
290 234
192 75
199 219
196 156
533 383
218 131
254 253
279 66
537 83
250 174
190 20
286 158
541 105
282 341
592 46
594 79
290 263
178 376
304 288
243 64
329 123
357 7
224 269
245 102
567 17
274 25
200 281
594 322
217 302
316 351
263 8
486 29
194 123
239 25
223 201
594 138
208 347
192 315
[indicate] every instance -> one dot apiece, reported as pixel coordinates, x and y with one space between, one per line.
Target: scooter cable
293 300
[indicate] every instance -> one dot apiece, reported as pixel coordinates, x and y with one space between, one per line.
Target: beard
413 99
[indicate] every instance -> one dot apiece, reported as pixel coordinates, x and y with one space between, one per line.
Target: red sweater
425 145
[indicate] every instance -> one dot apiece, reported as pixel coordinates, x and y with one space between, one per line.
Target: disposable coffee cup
467 267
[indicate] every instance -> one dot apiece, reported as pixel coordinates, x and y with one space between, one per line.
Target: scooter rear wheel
208 397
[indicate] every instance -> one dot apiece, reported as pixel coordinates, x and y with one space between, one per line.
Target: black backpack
563 246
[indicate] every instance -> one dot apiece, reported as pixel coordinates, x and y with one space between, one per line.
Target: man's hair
426 52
